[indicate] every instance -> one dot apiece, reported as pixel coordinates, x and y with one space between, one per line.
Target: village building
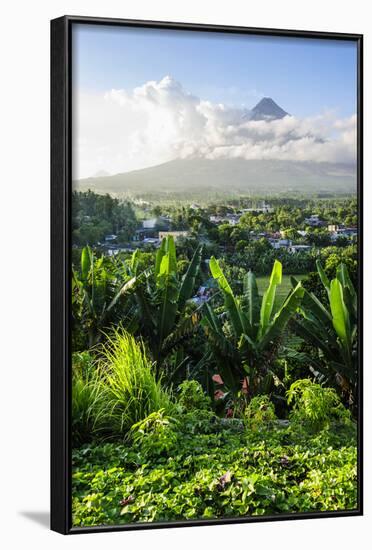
151 227
314 221
175 234
280 243
110 238
299 248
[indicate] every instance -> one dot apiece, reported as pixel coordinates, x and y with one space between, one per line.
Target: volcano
267 109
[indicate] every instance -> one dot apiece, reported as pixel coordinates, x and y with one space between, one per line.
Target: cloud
124 130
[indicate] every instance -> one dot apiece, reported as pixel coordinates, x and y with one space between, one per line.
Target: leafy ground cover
210 470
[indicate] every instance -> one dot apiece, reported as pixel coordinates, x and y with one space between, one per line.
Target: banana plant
332 330
96 291
162 302
245 338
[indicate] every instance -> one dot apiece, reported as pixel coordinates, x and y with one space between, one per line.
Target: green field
282 290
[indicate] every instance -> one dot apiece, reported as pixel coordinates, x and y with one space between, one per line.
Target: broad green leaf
167 285
170 249
86 261
269 297
313 333
211 318
281 319
350 295
310 302
189 279
124 289
340 316
294 281
218 275
231 304
134 261
344 278
323 276
183 331
159 256
276 273
253 302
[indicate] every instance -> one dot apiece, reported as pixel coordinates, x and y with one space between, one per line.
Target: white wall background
24 271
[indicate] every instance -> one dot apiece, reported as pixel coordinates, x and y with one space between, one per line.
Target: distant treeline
95 216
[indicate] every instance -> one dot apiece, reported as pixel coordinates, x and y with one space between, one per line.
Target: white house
313 221
299 248
110 238
280 243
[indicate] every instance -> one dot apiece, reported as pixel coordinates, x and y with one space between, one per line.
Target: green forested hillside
196 178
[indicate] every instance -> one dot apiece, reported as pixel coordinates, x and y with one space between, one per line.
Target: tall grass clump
85 398
129 390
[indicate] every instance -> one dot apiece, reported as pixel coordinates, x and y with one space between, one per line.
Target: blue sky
304 76
144 97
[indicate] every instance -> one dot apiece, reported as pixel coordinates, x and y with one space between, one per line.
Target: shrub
191 396
315 406
260 413
129 390
156 434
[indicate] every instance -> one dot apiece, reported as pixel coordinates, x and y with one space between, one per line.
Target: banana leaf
188 282
323 276
181 333
269 297
253 312
159 256
310 303
350 295
167 284
134 262
86 263
285 313
231 304
340 317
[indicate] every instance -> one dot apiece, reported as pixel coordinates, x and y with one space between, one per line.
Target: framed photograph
206 300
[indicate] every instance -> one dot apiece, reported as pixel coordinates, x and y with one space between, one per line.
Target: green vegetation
120 390
333 330
214 373
283 290
245 345
196 179
95 216
171 471
315 406
260 413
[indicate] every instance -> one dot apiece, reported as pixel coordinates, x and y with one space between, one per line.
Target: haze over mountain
226 151
101 174
203 177
131 129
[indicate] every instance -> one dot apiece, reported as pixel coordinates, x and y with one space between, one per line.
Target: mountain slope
267 109
202 177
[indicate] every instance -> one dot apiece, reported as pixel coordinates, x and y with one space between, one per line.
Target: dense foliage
117 391
172 471
214 374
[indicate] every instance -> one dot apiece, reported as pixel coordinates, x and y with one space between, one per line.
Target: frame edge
59 456
60 208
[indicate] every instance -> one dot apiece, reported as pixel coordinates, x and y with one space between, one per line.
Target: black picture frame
61 172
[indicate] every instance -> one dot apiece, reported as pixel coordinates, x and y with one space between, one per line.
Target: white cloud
125 130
